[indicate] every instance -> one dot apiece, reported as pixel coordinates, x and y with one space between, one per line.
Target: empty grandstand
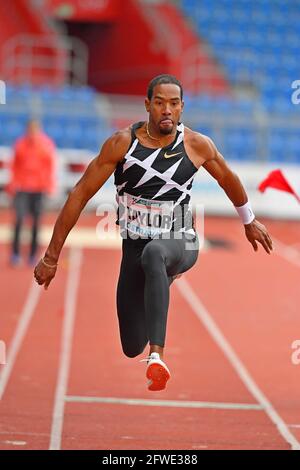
77 70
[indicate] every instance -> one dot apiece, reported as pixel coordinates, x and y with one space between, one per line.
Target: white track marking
207 320
164 403
23 433
287 252
21 330
66 348
15 443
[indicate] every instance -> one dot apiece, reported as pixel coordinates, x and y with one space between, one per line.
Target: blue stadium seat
257 43
12 130
68 114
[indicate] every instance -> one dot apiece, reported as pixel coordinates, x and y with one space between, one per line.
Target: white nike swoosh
166 155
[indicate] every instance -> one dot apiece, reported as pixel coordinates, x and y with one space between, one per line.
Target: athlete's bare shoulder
116 146
121 139
200 148
201 144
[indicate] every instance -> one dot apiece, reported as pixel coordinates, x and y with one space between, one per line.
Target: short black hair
163 79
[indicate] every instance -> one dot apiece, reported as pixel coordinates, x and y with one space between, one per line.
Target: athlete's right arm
96 174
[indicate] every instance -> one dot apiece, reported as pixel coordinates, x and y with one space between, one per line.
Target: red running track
232 321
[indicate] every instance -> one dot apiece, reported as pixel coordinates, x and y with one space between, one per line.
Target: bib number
145 217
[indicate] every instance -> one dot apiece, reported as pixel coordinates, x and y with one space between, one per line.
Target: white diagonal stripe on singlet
146 164
132 148
185 191
180 128
166 175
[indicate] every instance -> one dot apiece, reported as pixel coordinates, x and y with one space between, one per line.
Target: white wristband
246 213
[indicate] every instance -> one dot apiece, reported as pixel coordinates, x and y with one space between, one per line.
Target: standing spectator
32 176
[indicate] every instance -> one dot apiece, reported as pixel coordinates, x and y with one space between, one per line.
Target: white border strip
66 348
192 299
21 330
164 403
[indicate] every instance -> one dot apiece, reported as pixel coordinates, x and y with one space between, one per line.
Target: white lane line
65 348
287 252
21 330
192 299
164 403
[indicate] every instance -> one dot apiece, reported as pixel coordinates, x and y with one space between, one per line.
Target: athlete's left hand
257 232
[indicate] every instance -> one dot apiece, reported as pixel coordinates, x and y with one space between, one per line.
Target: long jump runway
231 325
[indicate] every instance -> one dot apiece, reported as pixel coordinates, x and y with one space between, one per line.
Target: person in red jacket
32 176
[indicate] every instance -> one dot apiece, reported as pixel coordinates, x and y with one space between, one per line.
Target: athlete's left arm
229 181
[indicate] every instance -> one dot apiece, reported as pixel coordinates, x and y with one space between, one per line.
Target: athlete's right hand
44 274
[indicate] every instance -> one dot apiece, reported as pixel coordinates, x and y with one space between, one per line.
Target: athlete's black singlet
154 187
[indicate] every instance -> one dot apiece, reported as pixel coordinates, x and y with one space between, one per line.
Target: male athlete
154 164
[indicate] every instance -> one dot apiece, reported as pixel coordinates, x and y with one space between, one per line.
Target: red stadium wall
18 17
129 42
121 54
84 10
143 41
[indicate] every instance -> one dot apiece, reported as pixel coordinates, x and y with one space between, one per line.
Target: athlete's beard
166 131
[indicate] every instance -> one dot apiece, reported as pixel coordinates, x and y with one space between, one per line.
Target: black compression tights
146 272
